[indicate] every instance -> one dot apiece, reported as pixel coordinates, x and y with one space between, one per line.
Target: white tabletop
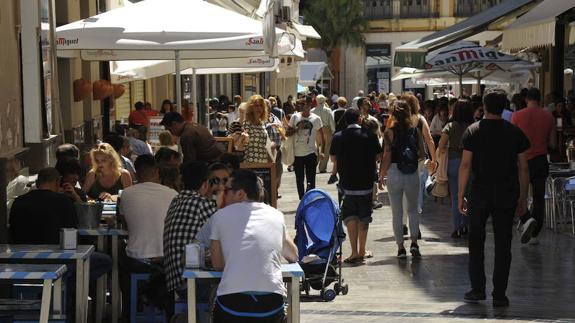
13 251
288 270
31 271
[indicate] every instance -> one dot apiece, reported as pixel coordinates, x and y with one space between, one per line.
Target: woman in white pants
399 172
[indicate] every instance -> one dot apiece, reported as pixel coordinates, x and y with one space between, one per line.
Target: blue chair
149 314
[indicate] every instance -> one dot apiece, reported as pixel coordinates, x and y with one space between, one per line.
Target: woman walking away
450 143
398 171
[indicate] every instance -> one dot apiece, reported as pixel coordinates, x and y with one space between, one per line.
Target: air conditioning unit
285 14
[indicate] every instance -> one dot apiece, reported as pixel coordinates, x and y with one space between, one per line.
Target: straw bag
436 184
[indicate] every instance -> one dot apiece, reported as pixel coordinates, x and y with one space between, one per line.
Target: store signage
378 50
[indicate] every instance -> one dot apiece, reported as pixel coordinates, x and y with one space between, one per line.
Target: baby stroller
319 235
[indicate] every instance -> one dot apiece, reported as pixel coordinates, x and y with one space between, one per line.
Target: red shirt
151 112
537 124
139 117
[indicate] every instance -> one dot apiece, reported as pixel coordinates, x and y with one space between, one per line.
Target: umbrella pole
479 84
194 95
178 82
460 84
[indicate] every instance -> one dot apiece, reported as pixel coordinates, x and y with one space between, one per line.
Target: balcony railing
383 9
417 9
467 8
378 9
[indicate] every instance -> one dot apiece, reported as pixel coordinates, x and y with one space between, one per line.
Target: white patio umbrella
163 30
467 58
127 71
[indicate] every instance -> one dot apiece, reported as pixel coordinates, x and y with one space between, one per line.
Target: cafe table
51 254
48 274
112 235
291 274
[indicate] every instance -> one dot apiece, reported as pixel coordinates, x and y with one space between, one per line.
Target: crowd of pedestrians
187 189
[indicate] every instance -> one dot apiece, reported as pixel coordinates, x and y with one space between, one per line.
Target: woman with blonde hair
167 140
254 126
107 177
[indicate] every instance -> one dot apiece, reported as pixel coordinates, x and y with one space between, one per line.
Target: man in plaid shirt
187 213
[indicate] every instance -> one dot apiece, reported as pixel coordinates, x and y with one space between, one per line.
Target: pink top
537 125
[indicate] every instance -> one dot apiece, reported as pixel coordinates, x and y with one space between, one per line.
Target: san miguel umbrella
163 30
467 58
512 74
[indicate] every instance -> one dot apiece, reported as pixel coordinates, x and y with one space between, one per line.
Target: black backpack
407 146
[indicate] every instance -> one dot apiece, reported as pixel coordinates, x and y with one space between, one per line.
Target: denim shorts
357 207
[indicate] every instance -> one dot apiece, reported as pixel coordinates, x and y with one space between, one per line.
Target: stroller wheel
344 289
328 295
336 288
305 287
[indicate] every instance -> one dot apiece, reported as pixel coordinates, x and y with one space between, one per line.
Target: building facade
396 22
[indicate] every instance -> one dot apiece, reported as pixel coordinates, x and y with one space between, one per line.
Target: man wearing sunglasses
248 240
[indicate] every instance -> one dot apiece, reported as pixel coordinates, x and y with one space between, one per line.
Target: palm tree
339 23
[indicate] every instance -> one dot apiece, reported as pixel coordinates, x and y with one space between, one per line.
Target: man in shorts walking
354 151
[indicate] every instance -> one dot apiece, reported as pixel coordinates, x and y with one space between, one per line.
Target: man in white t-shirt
248 240
309 138
143 207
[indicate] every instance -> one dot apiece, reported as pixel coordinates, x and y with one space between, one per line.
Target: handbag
436 188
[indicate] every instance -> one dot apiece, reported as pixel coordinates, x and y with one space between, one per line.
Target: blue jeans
459 220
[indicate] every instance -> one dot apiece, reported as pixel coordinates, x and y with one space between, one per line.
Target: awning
413 53
311 72
537 27
305 31
244 7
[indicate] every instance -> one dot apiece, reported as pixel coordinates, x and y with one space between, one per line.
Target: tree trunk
334 56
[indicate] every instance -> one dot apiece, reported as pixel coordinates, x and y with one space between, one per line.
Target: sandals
353 260
368 254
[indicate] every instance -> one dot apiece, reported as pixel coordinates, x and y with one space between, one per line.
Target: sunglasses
218 181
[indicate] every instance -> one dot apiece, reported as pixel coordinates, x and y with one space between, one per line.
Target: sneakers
414 249
474 296
401 253
377 205
534 241
527 230
501 301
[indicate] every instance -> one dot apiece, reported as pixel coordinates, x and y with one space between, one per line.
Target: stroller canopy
316 224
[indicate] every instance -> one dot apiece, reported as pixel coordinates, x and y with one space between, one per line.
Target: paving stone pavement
386 289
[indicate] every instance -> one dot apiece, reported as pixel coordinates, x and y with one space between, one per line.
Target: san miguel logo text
255 41
66 42
259 61
465 55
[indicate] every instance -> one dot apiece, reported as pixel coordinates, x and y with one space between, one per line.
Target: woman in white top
439 121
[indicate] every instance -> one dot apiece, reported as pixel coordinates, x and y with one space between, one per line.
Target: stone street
387 289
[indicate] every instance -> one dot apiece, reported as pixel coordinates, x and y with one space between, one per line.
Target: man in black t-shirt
354 151
494 152
37 216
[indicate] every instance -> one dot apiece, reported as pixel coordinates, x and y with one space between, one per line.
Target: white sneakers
527 230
